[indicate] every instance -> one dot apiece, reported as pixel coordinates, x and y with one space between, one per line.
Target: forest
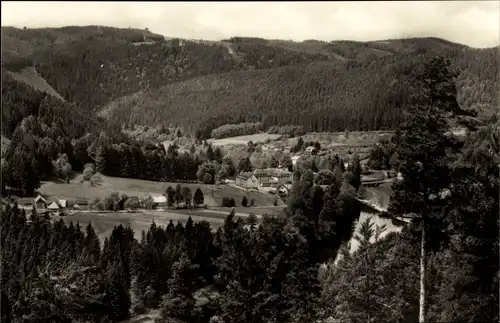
357 85
442 267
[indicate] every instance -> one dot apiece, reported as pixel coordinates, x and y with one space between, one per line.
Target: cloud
474 23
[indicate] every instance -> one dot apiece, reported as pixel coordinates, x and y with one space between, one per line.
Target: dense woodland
204 85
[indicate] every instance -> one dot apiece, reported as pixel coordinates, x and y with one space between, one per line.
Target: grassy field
341 139
140 188
243 140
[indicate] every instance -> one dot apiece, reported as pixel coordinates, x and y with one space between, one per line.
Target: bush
228 202
100 206
132 203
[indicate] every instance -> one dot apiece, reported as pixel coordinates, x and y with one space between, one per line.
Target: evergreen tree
91 248
355 168
116 294
210 153
198 198
244 201
179 303
170 196
178 195
421 143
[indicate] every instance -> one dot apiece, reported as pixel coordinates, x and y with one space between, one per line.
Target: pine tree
170 196
210 153
178 195
244 201
116 295
198 198
420 143
179 303
356 171
91 249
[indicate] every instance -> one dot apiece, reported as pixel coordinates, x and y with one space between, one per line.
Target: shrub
228 202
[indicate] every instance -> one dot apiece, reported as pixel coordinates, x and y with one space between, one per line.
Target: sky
473 23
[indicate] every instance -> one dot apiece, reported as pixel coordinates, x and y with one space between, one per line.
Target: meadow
243 140
213 194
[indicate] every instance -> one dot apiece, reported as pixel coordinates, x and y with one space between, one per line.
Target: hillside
321 96
30 77
133 76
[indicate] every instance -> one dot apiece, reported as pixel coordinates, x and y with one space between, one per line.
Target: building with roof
160 200
40 202
273 177
247 180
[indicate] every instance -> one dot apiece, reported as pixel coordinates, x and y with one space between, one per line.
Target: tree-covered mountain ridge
134 77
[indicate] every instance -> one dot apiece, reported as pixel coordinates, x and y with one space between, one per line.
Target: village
270 186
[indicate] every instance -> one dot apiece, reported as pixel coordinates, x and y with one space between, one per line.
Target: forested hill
133 76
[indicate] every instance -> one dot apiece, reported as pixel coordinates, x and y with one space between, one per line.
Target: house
58 205
63 203
40 202
272 177
247 180
160 200
294 160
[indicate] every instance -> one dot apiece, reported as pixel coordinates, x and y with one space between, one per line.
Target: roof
160 199
311 148
63 203
245 176
40 198
272 172
53 206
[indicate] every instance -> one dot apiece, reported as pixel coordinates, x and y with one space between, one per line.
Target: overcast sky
474 23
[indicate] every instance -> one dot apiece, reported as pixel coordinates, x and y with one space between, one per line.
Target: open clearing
134 187
243 140
31 77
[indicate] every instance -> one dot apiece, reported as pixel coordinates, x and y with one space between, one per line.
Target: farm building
40 202
247 180
58 205
272 177
160 200
294 160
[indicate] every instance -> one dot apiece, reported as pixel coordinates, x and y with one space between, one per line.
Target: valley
284 178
